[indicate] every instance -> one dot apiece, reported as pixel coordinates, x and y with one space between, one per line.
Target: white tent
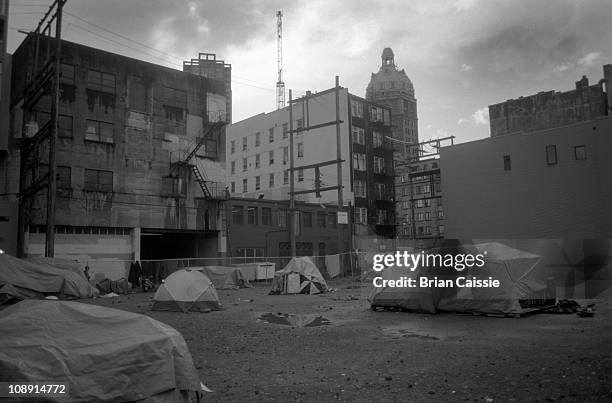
300 276
186 290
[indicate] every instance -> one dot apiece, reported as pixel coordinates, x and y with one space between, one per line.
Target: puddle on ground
294 320
408 333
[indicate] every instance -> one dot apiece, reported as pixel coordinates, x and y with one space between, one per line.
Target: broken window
99 131
99 81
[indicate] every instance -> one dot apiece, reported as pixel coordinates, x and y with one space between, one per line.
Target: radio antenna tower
280 85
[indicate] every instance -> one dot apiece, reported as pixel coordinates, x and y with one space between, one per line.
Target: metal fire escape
210 189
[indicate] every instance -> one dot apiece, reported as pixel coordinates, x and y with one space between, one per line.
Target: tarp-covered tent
58 263
103 354
308 278
224 277
29 279
186 290
515 270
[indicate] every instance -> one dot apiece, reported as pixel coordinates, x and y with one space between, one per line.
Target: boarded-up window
99 81
137 95
174 97
99 131
98 181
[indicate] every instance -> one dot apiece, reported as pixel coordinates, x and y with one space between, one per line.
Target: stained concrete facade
550 109
126 129
551 183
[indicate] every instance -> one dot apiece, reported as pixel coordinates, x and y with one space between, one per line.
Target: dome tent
186 290
303 272
102 354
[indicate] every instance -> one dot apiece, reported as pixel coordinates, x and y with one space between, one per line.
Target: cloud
466 67
481 116
563 67
589 58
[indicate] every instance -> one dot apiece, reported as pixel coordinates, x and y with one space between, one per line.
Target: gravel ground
363 356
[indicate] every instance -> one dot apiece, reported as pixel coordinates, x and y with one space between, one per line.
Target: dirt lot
388 356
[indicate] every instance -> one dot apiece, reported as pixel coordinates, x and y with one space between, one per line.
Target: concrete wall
532 200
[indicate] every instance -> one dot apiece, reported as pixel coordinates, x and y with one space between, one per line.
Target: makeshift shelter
186 290
300 276
515 270
38 279
102 354
224 278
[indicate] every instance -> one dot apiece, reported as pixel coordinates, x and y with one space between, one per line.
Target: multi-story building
552 183
208 66
392 87
546 110
138 169
420 195
258 156
259 228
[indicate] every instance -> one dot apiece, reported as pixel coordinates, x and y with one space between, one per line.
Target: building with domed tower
418 209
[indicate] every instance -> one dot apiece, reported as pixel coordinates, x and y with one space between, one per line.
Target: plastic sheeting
43 277
103 354
224 277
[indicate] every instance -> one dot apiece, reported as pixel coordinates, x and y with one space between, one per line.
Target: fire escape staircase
209 188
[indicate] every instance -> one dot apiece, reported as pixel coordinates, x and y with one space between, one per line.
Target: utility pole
52 188
292 223
40 82
339 165
280 84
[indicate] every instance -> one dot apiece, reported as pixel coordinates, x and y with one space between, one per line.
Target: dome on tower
389 79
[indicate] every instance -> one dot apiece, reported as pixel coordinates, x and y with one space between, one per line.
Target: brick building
140 154
546 110
8 208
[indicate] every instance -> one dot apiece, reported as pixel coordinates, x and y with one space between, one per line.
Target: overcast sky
461 55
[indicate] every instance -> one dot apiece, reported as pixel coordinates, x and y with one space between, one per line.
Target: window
245 186
300 175
98 181
420 203
419 216
244 165
65 126
174 97
360 188
271 135
233 168
381 216
244 144
257 161
306 219
174 114
300 150
100 81
67 74
332 220
63 175
238 215
321 219
551 154
233 187
359 162
380 191
440 212
257 139
507 163
427 216
377 139
285 155
356 109
271 157
376 114
233 146
379 165
580 153
252 215
257 182
286 177
361 215
266 216
285 130
271 181
281 217
440 229
300 124
99 131
358 135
